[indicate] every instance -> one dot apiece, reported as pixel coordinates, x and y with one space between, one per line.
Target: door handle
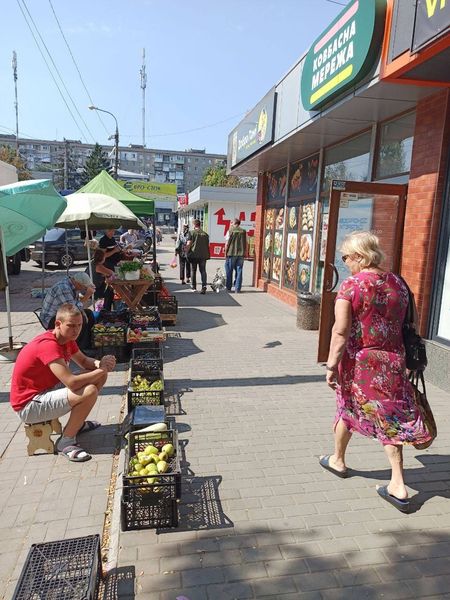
335 279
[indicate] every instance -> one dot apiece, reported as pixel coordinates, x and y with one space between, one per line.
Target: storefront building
356 136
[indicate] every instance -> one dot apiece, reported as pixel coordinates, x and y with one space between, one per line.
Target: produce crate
142 338
151 505
65 570
114 316
167 305
169 319
150 351
144 367
145 318
108 335
145 415
122 353
154 397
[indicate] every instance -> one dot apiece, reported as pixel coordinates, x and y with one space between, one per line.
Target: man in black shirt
113 252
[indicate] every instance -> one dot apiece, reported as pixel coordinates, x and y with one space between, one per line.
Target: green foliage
127 266
8 155
96 162
217 177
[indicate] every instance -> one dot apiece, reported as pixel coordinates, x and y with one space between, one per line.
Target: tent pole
67 251
88 250
154 242
43 267
8 304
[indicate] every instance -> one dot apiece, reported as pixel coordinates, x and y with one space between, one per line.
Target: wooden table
131 292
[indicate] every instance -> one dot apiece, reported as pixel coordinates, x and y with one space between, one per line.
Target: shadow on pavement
100 441
119 584
191 298
179 348
191 384
195 319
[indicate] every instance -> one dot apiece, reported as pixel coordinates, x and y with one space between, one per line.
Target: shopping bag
174 262
420 397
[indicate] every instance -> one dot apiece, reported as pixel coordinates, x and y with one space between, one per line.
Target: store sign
344 53
432 21
149 187
183 200
253 132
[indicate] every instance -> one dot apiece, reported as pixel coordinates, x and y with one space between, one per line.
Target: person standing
113 252
99 275
197 254
366 365
180 251
235 252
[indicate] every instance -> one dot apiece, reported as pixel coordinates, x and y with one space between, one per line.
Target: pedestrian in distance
235 252
77 289
180 251
40 369
198 253
366 365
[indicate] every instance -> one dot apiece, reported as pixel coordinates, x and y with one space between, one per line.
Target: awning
103 183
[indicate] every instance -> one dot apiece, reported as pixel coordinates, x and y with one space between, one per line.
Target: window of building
395 147
348 161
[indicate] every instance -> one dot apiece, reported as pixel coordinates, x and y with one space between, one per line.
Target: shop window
395 147
348 161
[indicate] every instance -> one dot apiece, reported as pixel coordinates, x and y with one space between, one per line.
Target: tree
67 175
8 155
96 162
217 177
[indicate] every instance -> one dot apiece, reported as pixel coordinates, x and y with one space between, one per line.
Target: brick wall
424 205
259 226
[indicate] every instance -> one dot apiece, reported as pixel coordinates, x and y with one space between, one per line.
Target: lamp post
116 139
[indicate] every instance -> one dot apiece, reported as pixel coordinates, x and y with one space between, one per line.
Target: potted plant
130 269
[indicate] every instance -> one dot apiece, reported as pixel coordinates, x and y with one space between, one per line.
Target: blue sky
208 62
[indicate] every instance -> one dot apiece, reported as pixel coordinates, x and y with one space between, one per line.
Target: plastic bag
174 262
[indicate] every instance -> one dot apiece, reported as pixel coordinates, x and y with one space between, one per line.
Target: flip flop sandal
75 454
325 463
398 503
88 426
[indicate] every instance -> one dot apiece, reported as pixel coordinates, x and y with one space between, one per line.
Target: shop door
358 206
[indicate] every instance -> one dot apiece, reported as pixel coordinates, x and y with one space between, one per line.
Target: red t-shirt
31 374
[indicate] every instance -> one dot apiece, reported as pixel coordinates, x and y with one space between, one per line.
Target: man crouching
43 365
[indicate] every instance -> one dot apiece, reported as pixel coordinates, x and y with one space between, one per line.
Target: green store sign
344 53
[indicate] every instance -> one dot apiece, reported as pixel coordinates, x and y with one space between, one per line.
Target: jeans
234 264
201 263
185 265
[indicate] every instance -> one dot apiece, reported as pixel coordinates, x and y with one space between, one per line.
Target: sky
207 61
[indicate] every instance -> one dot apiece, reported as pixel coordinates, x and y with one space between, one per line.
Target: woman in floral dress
366 365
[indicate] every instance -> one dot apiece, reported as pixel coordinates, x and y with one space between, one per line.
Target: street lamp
116 138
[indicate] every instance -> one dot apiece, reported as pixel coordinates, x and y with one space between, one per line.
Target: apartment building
184 168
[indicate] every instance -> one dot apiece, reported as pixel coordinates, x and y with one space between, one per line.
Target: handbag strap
409 316
417 376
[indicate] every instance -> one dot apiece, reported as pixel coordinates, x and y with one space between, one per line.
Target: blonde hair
366 244
66 311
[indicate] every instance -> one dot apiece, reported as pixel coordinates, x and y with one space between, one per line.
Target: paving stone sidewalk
46 497
259 517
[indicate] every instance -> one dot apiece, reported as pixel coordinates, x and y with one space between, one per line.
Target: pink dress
375 397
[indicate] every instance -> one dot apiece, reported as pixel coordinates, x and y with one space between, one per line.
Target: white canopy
98 211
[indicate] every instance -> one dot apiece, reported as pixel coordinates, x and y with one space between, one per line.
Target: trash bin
308 310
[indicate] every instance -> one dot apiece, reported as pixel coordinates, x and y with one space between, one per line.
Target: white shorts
49 405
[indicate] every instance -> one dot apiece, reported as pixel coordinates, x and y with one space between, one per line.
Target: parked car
14 263
55 248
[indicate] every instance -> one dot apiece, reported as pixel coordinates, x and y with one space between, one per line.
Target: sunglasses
344 257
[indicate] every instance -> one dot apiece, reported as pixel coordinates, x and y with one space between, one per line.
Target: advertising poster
303 177
221 218
289 271
276 185
269 223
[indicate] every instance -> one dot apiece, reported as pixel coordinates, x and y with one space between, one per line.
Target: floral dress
375 397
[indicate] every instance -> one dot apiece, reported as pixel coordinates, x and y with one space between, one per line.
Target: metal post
43 267
67 251
16 103
154 242
66 168
88 250
116 160
8 304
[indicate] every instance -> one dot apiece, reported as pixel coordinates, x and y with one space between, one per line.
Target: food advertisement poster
303 177
305 250
289 271
276 185
289 274
304 277
278 243
276 268
291 248
308 210
293 218
269 223
279 220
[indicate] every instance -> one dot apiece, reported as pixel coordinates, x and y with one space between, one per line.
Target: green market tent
103 183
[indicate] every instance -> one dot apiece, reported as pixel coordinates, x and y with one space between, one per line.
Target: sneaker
203 291
183 283
188 280
194 289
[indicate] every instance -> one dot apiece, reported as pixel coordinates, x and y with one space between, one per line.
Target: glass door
358 206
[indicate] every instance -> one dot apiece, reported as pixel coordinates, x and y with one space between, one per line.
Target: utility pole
16 103
143 86
66 164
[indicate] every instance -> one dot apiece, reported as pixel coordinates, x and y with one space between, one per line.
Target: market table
131 292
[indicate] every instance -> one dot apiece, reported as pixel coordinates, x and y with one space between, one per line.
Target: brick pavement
259 517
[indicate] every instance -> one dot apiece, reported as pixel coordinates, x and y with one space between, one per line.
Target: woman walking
366 365
180 250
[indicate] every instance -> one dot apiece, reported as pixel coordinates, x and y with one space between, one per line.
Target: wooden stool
39 436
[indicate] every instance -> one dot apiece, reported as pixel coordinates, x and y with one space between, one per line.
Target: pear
151 480
169 449
162 466
163 456
150 450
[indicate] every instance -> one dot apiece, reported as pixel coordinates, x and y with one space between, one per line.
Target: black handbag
415 351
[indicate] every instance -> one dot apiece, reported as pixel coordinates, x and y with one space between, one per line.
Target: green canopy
103 183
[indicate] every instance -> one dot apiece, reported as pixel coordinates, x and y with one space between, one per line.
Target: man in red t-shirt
43 364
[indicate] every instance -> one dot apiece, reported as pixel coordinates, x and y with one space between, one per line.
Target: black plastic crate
114 316
150 366
143 416
122 353
108 335
63 570
146 318
135 398
168 305
147 505
152 350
